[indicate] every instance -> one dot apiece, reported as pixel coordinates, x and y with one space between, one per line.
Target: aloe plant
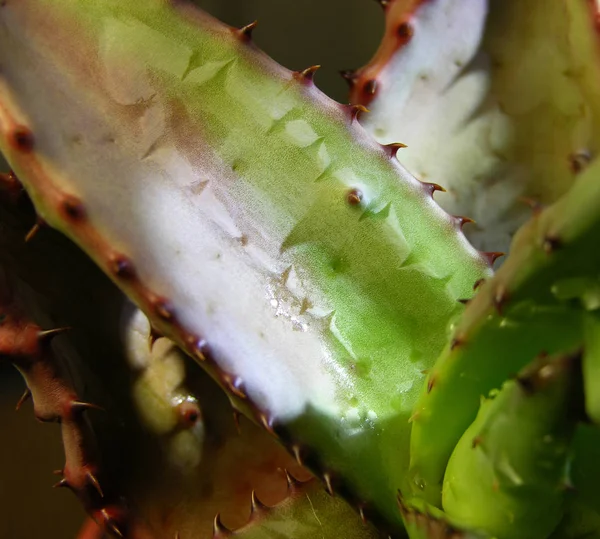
271 243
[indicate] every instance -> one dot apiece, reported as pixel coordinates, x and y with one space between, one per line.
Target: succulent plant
300 360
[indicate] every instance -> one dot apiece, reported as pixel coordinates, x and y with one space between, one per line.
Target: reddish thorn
361 512
464 301
200 349
455 343
370 87
34 229
246 31
110 522
154 336
356 110
478 283
292 482
59 472
49 334
500 299
476 442
392 149
11 186
235 385
551 244
527 383
24 398
297 454
256 505
94 481
432 188
328 484
383 3
267 423
579 160
354 197
349 76
63 483
73 208
309 73
236 419
22 139
218 529
430 384
491 257
113 528
163 309
405 31
191 341
122 267
78 407
414 417
461 221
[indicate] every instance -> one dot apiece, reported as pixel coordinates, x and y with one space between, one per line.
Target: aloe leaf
496 101
507 474
518 314
582 514
591 367
247 215
586 467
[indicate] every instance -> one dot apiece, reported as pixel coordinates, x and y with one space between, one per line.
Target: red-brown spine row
365 82
333 483
28 347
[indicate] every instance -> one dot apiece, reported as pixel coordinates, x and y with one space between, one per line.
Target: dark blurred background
337 34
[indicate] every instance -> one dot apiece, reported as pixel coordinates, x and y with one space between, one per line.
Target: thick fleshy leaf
591 367
508 473
530 306
496 100
249 216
